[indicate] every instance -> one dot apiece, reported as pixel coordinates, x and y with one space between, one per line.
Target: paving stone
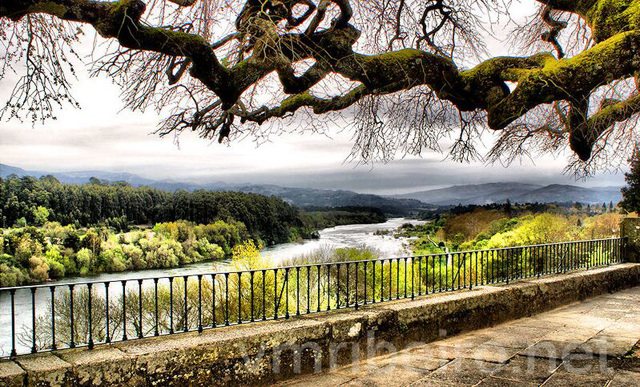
608 345
516 342
554 321
626 329
573 335
631 317
327 380
523 329
625 379
412 359
440 351
587 365
491 353
565 379
528 330
465 371
550 349
383 376
499 382
594 321
430 382
528 369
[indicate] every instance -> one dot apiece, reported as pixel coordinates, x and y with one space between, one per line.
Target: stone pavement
583 344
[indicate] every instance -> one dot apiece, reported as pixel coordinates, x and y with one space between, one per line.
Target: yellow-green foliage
493 228
601 226
544 228
247 256
467 226
32 254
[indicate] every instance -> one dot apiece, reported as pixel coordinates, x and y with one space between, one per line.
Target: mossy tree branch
267 48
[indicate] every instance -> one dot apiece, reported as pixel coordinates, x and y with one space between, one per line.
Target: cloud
101 136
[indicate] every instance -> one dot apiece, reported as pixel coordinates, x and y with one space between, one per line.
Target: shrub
83 261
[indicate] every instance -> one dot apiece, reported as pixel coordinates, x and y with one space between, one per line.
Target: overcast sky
101 137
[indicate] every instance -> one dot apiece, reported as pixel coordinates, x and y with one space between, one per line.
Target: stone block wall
630 229
266 352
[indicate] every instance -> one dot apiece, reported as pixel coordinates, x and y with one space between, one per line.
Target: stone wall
630 229
263 353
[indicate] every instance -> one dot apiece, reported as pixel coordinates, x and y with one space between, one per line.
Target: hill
77 177
301 197
516 192
308 197
471 194
558 193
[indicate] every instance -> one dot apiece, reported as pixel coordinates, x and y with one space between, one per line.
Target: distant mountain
7 170
405 204
301 197
471 194
308 197
516 192
77 177
557 193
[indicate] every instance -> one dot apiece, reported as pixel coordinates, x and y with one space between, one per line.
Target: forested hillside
495 226
30 201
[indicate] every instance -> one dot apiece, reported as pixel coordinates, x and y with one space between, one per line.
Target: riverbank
330 238
356 235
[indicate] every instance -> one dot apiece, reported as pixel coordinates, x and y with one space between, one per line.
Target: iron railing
53 316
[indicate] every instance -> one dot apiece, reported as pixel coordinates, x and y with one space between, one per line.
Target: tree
40 215
508 208
403 73
631 193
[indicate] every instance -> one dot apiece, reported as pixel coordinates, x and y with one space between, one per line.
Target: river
356 235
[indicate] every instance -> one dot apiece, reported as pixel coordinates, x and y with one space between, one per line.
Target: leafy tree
508 208
31 255
40 215
91 241
269 219
398 69
631 193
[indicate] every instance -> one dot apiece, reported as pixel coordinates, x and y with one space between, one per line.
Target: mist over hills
480 194
307 197
77 177
301 197
401 205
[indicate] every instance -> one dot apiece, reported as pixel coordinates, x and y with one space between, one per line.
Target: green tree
631 193
92 241
40 215
22 222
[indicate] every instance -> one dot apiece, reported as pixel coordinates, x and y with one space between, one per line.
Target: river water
341 236
355 235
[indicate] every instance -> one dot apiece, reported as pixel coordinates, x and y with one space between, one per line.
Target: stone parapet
630 229
263 353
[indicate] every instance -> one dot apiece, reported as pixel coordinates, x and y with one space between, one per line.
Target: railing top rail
277 268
